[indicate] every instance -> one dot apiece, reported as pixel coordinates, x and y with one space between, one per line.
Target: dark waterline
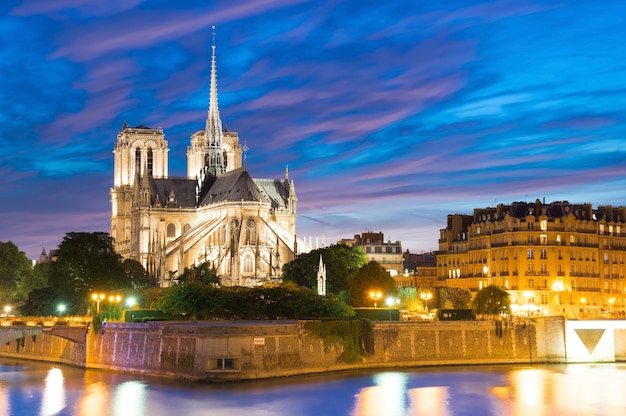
28 388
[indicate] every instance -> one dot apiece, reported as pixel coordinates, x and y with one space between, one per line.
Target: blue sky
390 115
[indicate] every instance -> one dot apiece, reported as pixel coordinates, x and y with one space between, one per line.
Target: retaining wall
238 350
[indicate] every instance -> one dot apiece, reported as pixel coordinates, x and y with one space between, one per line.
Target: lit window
544 225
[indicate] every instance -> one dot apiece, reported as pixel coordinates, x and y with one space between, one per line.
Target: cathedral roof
174 192
276 190
236 185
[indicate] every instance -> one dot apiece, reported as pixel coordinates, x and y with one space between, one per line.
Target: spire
213 133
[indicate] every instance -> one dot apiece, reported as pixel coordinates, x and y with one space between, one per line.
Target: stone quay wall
244 350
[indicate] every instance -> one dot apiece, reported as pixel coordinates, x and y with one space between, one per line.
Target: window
606 258
530 239
571 239
530 225
558 239
543 239
171 230
530 254
544 225
543 254
248 263
531 283
150 162
544 269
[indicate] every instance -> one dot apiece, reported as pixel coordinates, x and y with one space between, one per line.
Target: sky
390 115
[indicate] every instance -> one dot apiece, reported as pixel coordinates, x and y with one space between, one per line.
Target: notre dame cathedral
245 227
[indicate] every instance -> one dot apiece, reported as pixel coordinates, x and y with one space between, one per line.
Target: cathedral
244 227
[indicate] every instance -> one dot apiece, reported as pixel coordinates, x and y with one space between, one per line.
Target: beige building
218 213
553 259
388 255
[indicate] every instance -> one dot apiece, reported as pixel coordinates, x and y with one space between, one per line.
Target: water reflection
53 399
39 389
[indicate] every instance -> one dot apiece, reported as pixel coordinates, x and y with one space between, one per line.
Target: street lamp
131 302
375 296
426 296
61 309
7 310
390 301
98 297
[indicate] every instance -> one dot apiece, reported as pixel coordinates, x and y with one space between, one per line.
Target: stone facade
239 350
244 227
554 259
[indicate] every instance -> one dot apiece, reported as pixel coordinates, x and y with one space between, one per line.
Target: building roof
236 185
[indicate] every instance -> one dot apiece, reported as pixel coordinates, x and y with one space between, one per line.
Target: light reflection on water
579 389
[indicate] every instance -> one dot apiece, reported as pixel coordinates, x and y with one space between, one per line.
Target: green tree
340 260
202 273
14 267
454 298
372 277
201 301
491 300
31 281
136 275
86 262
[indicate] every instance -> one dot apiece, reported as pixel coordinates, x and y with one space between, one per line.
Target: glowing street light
375 296
7 310
98 297
61 309
426 296
390 301
131 302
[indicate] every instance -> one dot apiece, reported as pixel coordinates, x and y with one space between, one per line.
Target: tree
285 301
35 280
86 262
14 267
371 278
454 298
340 260
136 275
203 273
491 300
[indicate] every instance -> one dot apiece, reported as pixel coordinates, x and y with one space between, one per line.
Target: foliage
353 337
14 267
410 300
491 300
371 278
202 301
454 298
340 260
136 275
88 262
202 273
35 280
43 302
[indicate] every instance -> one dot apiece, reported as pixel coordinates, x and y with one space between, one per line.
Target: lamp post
390 302
375 296
426 296
98 297
61 309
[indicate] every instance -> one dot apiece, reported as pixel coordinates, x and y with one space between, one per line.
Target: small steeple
213 132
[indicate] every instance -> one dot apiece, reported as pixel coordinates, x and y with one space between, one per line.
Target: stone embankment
243 350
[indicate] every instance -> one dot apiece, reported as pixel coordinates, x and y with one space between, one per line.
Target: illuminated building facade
245 227
388 255
554 259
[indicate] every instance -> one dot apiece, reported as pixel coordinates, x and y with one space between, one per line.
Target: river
29 388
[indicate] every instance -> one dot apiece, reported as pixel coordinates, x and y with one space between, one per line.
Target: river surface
28 388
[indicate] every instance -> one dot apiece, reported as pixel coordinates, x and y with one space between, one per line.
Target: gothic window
171 230
250 231
186 227
137 160
150 160
225 159
248 263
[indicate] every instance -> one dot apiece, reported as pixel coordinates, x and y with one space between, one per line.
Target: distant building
420 270
388 255
557 258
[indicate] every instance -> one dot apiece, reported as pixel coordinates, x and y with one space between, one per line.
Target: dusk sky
389 114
